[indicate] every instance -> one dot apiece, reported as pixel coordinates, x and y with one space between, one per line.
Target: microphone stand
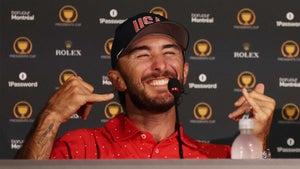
177 127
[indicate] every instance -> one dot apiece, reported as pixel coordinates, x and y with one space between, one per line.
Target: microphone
175 88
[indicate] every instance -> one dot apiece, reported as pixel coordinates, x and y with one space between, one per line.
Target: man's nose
159 63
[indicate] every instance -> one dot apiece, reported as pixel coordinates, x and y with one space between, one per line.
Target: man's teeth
159 82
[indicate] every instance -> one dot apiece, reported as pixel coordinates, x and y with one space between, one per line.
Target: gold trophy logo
22 46
22 110
202 47
65 75
68 14
159 11
112 109
246 17
290 49
290 112
108 46
202 111
246 80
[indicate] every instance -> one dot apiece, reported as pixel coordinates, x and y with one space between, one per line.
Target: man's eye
141 55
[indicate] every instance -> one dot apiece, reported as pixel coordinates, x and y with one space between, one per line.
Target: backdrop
233 44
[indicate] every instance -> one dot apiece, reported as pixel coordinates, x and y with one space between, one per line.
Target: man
148 50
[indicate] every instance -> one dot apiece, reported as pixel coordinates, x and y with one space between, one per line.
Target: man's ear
117 80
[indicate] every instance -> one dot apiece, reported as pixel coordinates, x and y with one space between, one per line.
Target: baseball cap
143 24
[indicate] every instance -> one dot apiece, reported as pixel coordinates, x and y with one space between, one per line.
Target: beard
141 100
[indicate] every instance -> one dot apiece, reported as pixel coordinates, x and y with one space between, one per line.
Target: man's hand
261 108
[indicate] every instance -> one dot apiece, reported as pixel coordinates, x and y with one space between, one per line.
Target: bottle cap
246 123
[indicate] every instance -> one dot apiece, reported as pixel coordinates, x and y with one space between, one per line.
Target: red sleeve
77 144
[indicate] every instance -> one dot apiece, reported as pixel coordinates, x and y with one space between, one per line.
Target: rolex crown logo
68 44
246 46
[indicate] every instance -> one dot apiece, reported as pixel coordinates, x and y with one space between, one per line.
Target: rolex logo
68 14
290 112
112 109
22 46
290 49
68 44
65 75
246 80
22 110
108 46
246 17
159 11
202 47
202 111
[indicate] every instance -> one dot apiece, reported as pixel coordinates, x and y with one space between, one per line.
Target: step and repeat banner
233 44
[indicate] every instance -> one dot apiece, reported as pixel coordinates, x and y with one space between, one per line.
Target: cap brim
171 29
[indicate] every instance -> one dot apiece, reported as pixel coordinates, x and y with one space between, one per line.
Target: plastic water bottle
246 145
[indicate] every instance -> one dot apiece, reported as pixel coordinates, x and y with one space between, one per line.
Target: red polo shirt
121 139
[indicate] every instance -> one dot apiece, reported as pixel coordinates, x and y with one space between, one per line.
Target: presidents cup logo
65 75
246 17
290 112
202 47
108 46
68 14
22 110
159 11
246 80
112 109
202 111
290 49
22 46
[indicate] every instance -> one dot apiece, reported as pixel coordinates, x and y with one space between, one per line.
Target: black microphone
175 88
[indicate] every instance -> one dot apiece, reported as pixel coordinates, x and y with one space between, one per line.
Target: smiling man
148 50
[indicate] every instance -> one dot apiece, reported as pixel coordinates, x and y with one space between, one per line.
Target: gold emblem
202 111
246 46
68 44
246 17
22 110
290 49
108 45
68 14
65 75
202 47
290 112
112 109
159 11
246 80
22 46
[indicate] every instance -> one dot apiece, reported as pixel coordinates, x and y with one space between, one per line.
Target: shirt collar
121 128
